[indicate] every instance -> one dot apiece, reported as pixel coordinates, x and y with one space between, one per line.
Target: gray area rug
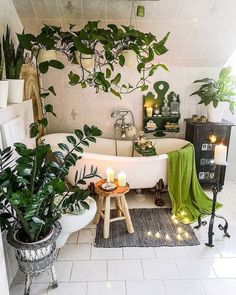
153 228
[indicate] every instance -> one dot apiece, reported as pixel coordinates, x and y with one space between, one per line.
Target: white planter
130 58
87 60
3 93
71 222
15 90
46 55
216 114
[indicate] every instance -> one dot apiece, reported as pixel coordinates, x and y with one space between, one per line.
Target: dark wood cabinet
199 135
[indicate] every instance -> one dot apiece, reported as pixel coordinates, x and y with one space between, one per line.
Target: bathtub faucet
120 122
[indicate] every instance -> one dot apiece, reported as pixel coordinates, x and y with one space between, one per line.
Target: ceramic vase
4 84
216 114
15 90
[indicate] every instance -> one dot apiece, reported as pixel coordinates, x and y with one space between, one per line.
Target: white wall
8 15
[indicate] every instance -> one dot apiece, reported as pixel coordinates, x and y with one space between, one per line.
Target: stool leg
99 209
118 207
107 218
128 221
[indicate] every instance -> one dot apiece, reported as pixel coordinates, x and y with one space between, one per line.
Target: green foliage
107 46
224 89
34 193
14 59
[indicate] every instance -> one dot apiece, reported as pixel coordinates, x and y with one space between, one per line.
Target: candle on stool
110 175
149 111
220 154
122 179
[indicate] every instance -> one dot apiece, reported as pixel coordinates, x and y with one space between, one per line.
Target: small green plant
34 192
1 62
222 90
14 59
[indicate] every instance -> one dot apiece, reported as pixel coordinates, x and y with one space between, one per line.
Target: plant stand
35 258
217 187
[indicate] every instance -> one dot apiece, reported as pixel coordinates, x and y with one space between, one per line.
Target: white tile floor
85 270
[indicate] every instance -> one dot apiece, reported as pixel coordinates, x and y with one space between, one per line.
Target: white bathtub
142 172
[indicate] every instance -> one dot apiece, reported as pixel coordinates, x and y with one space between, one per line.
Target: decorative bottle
165 111
174 106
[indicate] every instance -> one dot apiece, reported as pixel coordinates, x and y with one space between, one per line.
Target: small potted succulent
14 59
34 195
216 95
3 83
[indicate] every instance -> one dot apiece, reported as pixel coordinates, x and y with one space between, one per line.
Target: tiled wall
75 106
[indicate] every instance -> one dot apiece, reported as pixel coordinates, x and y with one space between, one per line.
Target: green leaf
25 41
121 60
56 64
115 93
74 78
117 79
71 139
79 134
52 90
43 67
63 147
108 73
140 66
82 47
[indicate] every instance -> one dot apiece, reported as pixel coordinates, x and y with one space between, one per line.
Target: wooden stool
121 206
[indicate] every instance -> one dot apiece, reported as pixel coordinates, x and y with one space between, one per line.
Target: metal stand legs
29 279
215 189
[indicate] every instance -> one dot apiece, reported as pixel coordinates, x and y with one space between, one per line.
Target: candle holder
216 188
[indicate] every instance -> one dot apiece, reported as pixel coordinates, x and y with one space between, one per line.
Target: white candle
149 111
220 154
122 179
110 175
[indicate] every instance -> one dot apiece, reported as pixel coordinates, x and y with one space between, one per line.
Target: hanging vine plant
99 54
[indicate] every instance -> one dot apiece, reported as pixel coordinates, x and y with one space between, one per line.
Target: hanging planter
85 60
130 58
46 55
3 93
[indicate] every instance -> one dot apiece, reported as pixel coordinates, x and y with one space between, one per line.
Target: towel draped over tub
187 196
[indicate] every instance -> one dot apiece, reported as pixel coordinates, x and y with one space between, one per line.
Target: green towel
187 196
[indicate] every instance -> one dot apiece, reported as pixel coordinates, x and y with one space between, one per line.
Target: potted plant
3 83
14 60
217 94
34 195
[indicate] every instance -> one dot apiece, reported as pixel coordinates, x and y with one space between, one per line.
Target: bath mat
152 228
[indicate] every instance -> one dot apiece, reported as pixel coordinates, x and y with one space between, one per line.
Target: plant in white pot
34 195
216 95
3 83
14 59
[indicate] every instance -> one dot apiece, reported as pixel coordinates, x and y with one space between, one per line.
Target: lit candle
122 179
220 154
157 235
110 175
149 111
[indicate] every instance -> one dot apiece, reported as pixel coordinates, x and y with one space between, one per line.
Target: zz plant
33 191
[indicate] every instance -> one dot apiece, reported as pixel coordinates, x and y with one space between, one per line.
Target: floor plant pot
216 114
3 93
46 55
35 258
73 222
15 90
